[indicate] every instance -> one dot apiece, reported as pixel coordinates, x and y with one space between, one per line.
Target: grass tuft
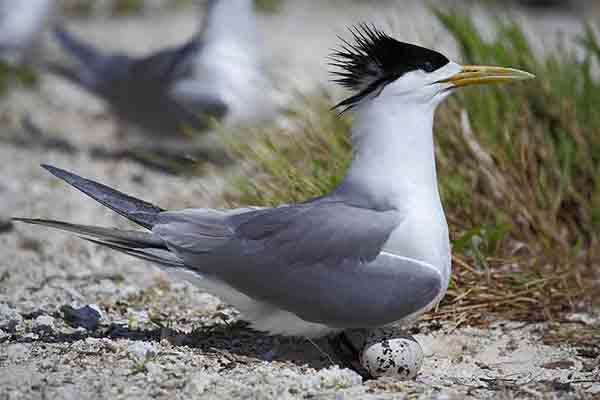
519 170
268 6
294 163
127 7
11 75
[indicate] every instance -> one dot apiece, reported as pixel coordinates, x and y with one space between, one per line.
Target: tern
216 74
22 24
373 252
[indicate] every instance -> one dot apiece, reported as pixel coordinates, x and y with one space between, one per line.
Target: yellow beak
482 75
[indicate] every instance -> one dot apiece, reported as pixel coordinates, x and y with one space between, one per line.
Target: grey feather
142 245
319 231
197 231
158 256
321 261
133 239
138 211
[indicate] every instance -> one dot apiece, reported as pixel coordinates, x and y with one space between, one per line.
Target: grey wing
313 233
94 68
169 64
321 261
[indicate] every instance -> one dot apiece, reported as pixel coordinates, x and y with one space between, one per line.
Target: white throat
393 150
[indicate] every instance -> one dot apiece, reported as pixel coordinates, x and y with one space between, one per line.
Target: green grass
127 7
543 137
22 76
519 169
268 6
293 164
76 7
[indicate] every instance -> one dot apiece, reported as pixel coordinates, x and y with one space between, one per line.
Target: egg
389 353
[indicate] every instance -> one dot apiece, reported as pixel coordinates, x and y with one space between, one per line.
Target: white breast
423 235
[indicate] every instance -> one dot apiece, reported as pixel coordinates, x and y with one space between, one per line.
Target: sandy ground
162 339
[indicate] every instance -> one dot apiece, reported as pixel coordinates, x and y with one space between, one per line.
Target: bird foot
348 355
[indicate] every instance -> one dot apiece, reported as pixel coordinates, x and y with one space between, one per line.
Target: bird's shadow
236 341
180 155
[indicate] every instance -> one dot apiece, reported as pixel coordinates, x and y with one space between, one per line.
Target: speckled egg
388 353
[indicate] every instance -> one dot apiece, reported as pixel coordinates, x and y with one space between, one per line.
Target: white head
397 87
377 66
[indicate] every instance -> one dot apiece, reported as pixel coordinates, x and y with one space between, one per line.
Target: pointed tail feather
132 239
138 211
159 256
134 243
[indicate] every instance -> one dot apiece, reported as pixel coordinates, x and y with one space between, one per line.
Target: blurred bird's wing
168 65
94 68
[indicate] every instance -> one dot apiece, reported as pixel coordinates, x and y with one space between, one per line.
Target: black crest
376 59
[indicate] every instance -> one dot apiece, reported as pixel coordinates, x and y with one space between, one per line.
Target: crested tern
216 74
373 252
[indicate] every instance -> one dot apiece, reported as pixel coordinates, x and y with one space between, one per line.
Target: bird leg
348 355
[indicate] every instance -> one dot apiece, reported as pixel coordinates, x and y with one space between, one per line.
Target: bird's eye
427 67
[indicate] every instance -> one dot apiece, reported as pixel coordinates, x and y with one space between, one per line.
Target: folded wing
322 261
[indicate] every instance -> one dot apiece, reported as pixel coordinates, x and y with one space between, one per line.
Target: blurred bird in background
216 74
22 25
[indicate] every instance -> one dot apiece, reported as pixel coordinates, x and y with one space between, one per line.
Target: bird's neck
230 22
393 166
394 157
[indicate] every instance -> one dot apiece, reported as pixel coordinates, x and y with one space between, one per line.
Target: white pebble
16 352
388 353
44 321
10 319
142 351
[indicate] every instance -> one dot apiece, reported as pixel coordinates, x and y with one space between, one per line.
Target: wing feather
323 232
322 261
